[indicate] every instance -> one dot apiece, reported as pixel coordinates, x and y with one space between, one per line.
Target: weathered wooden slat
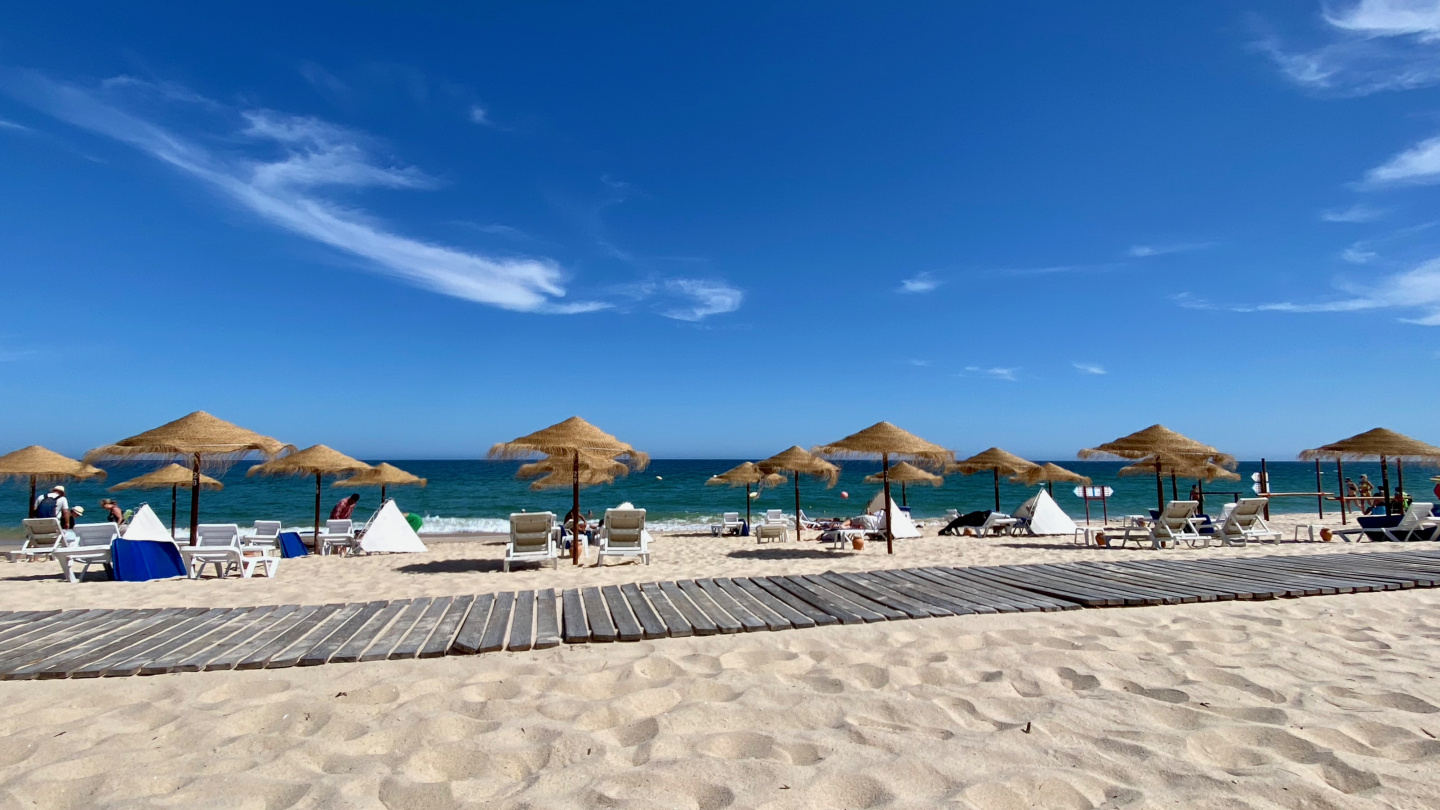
748 621
774 622
998 593
843 612
837 589
379 650
44 618
575 630
794 617
627 627
410 646
701 624
321 653
879 592
366 635
467 641
275 624
522 626
922 592
675 624
37 631
602 630
445 630
162 644
547 625
87 631
165 661
139 636
499 624
233 635
650 624
287 650
1043 586
724 622
1047 576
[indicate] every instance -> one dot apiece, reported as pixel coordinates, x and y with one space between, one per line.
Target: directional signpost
1095 494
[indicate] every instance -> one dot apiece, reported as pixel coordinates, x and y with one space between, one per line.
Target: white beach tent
1045 516
390 532
145 525
904 526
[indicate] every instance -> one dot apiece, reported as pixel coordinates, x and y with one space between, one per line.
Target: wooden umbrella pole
796 473
889 532
1264 487
1400 478
1174 488
1320 488
1159 487
747 506
382 494
1340 487
1200 484
317 511
174 504
575 521
194 498
904 501
1385 481
30 507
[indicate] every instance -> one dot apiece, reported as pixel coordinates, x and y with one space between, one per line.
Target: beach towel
141 560
291 545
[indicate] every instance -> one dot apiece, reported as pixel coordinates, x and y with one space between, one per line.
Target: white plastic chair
43 536
730 523
92 547
218 544
624 535
1245 523
533 538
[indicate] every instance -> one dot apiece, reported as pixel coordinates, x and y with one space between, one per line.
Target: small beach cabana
173 476
1050 472
998 462
798 461
1377 443
905 473
1158 442
568 439
381 475
43 466
199 438
317 460
746 475
885 440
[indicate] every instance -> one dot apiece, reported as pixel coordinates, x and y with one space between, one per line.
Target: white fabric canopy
144 525
904 526
390 532
1045 516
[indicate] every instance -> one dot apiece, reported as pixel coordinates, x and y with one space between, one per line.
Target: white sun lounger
1246 522
267 533
339 535
218 544
997 523
730 523
1416 524
92 547
533 538
624 535
775 527
43 536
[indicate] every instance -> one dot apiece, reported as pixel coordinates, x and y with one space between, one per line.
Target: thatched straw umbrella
46 466
997 461
1050 473
885 440
171 475
746 475
319 461
198 438
1158 439
1377 443
1183 467
905 473
569 439
382 475
553 472
798 461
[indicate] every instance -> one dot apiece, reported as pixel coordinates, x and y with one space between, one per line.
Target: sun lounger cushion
141 560
291 545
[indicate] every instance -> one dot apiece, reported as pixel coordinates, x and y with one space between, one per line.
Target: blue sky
721 229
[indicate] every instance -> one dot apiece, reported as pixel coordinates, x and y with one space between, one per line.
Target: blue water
478 495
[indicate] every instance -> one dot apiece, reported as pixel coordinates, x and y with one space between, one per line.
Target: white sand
1324 702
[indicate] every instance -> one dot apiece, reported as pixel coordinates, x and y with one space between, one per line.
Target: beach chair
624 535
91 547
267 533
42 537
218 544
1176 525
807 523
338 534
533 537
1417 524
997 523
730 523
775 526
1246 522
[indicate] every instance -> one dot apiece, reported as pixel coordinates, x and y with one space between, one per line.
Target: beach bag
48 507
292 546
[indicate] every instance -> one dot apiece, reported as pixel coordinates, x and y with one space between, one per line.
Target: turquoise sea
478 495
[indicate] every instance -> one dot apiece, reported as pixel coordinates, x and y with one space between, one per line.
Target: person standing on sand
345 508
112 510
1367 491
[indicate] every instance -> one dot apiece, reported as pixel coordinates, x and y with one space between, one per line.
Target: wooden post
1340 487
1265 487
575 522
382 494
997 488
796 473
1085 496
1174 488
1400 479
1385 482
174 500
30 508
1104 506
747 506
194 498
1320 488
1159 486
903 500
317 512
889 532
1201 484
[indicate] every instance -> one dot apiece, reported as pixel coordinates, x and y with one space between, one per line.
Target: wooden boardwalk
41 644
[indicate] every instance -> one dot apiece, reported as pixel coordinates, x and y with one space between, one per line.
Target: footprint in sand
1077 681
737 745
847 790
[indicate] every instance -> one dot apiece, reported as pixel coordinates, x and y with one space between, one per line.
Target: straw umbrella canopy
1377 443
318 461
885 440
798 461
46 466
171 475
905 473
1050 473
569 439
198 438
554 472
1158 439
746 475
382 475
998 462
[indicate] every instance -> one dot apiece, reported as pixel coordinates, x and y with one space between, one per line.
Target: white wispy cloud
480 115
701 298
1373 46
7 124
1056 269
282 167
996 373
1415 292
918 363
1358 254
1146 251
922 283
1089 368
1418 164
1355 213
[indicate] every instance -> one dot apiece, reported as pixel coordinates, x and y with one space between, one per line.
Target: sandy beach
1319 702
